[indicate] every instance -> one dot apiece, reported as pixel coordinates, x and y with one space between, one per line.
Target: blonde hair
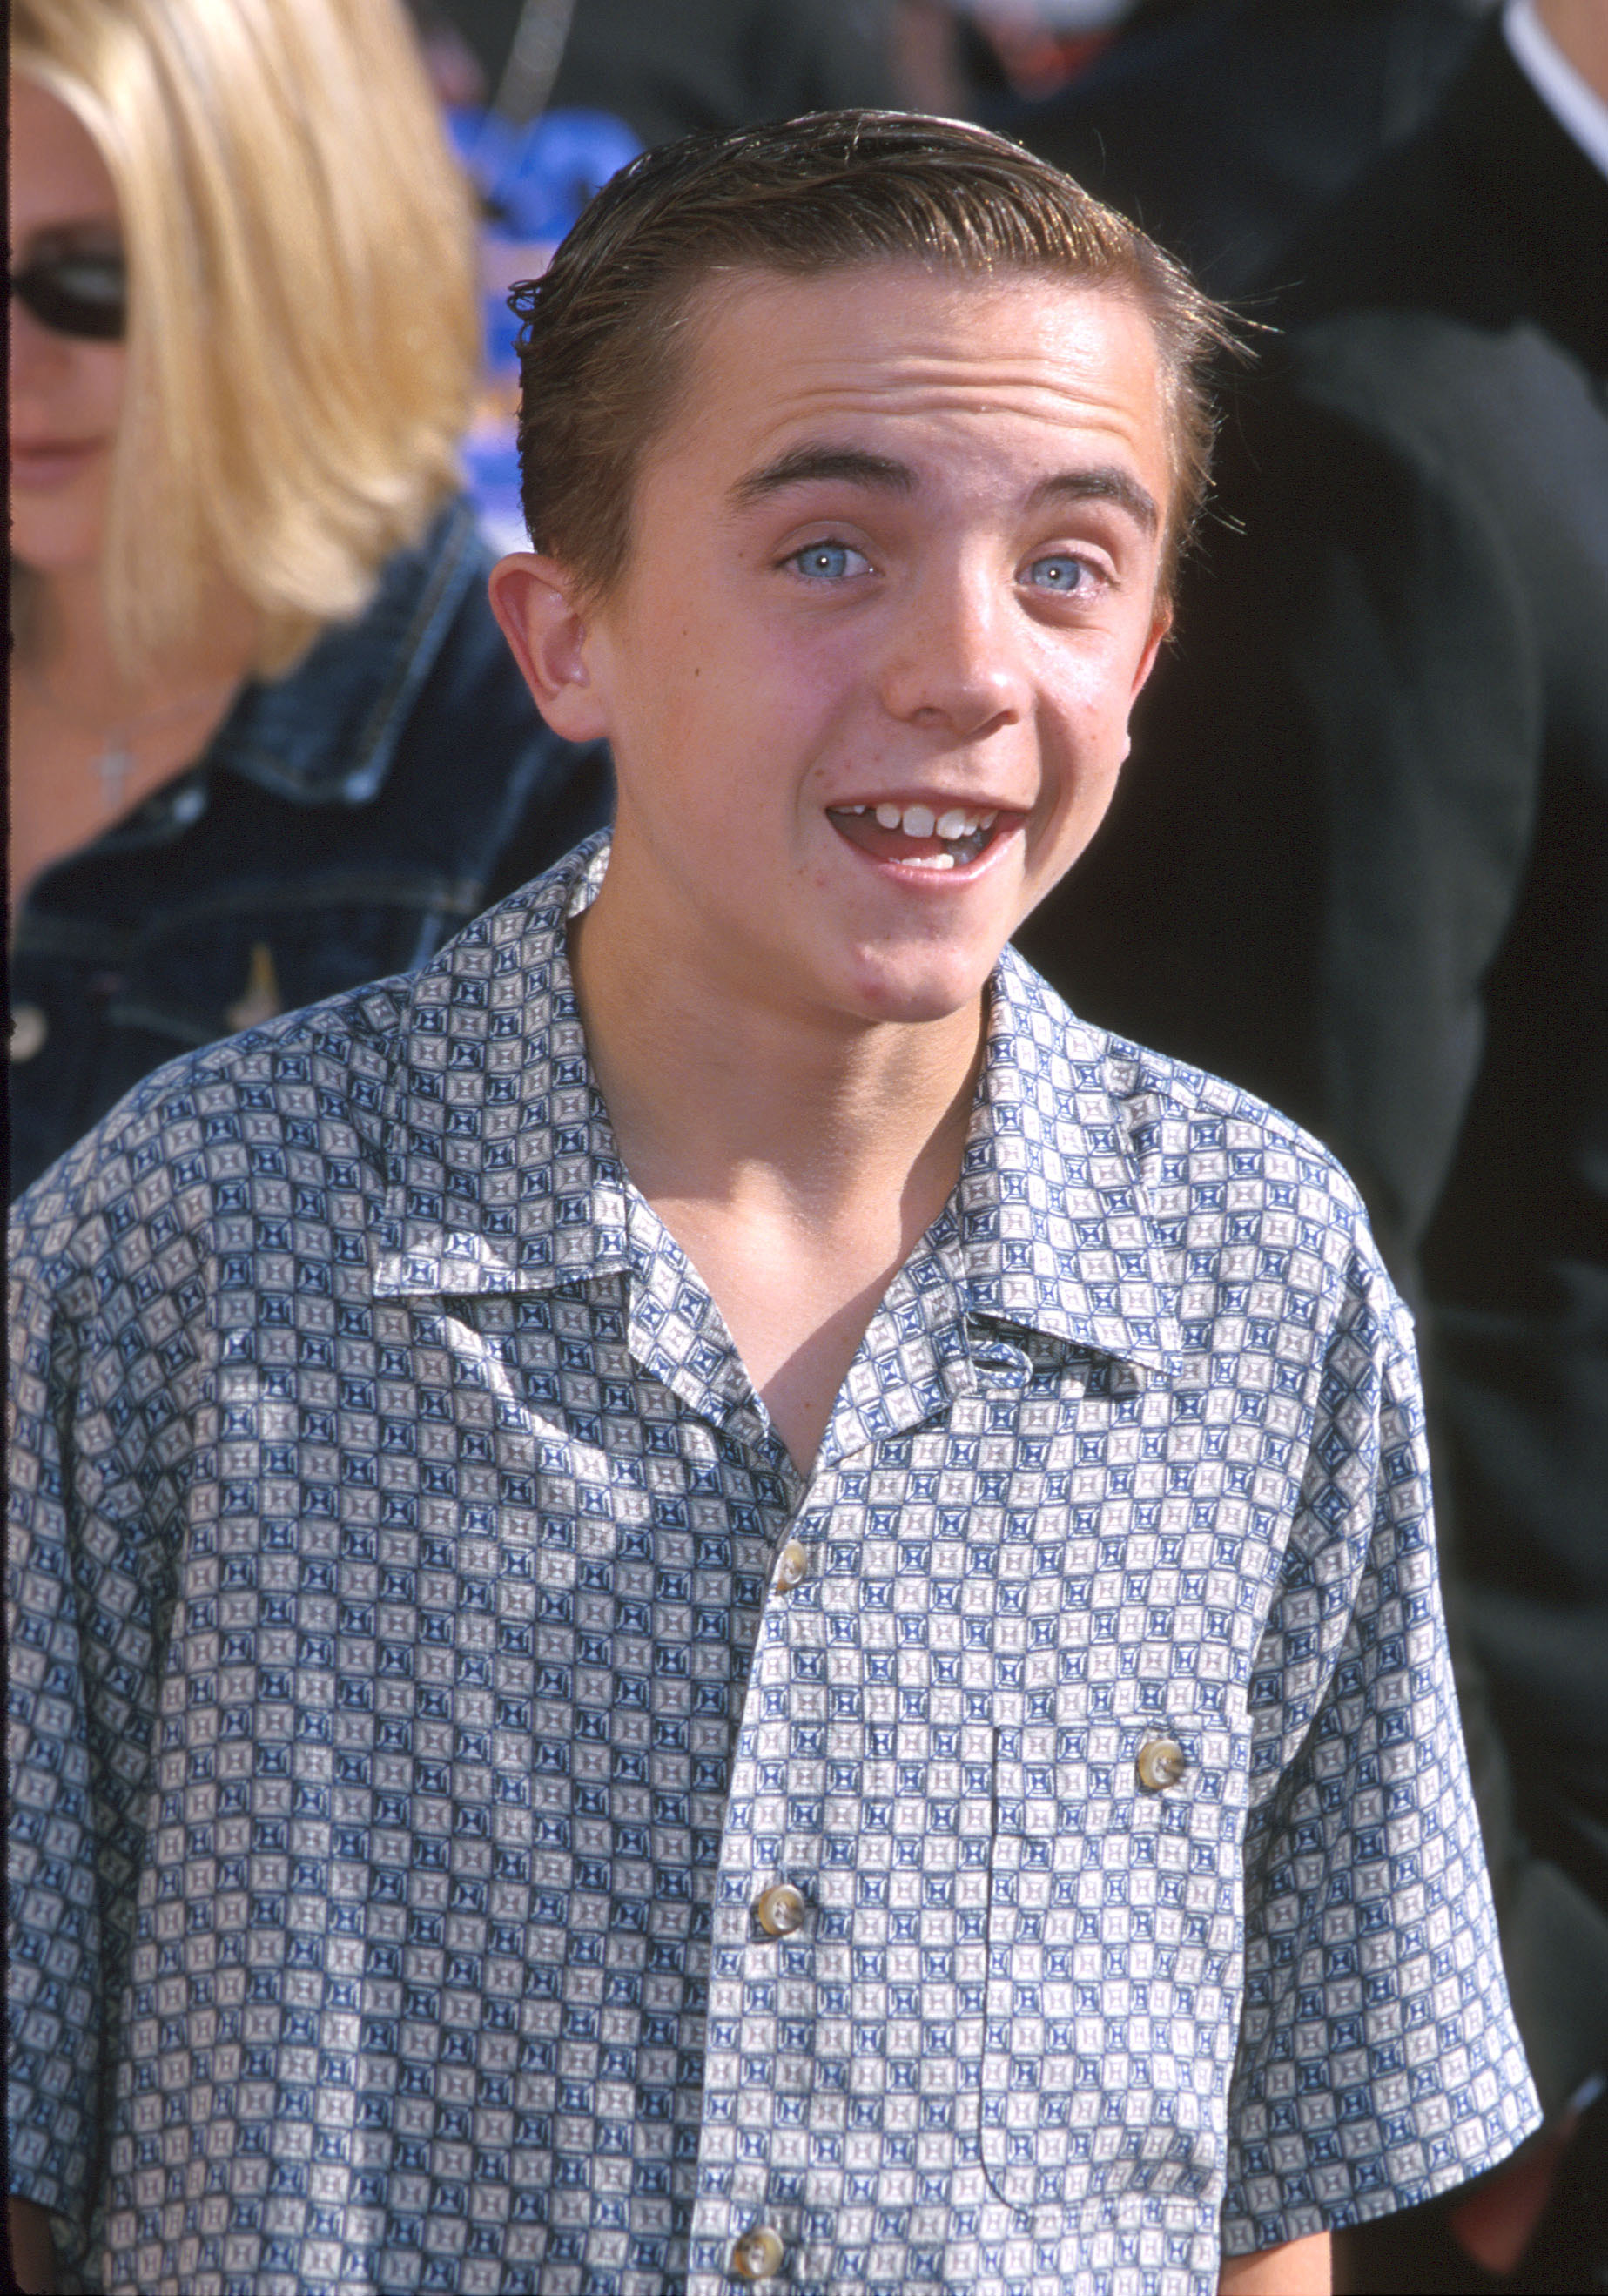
302 331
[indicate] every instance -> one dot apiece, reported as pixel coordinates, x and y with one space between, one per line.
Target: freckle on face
743 711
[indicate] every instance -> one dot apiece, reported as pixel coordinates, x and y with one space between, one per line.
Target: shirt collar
1059 1234
1539 200
328 731
1573 101
503 1176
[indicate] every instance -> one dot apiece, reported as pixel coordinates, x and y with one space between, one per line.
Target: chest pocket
1114 1956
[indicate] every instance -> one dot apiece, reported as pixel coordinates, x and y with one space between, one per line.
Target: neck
61 631
755 1105
796 1157
65 641
1578 29
91 741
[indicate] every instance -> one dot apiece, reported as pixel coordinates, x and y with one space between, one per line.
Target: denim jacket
345 821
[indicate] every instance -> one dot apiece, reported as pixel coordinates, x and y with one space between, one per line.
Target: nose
953 660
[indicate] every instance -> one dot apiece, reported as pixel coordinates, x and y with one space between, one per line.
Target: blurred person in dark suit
668 71
1225 126
266 740
1361 864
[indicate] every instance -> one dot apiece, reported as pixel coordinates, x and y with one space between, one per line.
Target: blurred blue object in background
533 182
536 179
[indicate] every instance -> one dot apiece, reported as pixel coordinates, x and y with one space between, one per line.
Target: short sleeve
86 1602
1379 2062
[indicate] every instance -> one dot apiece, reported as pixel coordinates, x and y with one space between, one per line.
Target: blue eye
1058 573
828 562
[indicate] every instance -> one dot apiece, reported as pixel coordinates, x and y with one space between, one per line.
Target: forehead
1024 364
55 172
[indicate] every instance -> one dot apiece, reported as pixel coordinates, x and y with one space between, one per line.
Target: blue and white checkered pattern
407 1709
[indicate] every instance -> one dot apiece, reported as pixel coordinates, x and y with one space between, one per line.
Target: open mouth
919 835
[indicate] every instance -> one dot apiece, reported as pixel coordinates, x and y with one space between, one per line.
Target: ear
1146 663
536 604
1159 630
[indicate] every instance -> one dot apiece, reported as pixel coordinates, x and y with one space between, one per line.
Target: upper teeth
920 821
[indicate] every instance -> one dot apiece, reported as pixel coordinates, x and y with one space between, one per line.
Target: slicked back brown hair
604 347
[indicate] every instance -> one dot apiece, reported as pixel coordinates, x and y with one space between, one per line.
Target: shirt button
793 1564
29 1029
779 1910
1162 1762
758 2255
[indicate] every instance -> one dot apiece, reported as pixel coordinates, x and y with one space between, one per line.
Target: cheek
749 706
688 749
1085 705
104 381
1099 698
82 383
1083 743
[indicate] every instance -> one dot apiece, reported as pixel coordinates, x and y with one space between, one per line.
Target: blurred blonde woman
266 742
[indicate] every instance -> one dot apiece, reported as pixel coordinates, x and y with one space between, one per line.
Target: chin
912 995
53 547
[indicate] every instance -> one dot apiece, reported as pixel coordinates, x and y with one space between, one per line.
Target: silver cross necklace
115 760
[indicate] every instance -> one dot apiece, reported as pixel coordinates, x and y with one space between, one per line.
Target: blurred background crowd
266 743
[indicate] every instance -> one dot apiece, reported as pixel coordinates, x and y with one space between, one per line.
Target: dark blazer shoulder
1489 404
1492 215
1465 468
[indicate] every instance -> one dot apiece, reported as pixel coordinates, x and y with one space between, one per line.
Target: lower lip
940 880
42 470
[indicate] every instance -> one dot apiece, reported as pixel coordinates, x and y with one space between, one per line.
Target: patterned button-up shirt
424 1655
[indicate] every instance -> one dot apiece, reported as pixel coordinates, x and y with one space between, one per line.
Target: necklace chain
114 762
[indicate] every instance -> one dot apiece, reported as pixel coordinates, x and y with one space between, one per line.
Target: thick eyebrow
854 466
849 466
1108 482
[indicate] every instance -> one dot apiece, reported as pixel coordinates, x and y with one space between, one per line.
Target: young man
704 1597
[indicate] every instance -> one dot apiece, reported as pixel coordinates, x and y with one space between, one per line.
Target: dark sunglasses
83 295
